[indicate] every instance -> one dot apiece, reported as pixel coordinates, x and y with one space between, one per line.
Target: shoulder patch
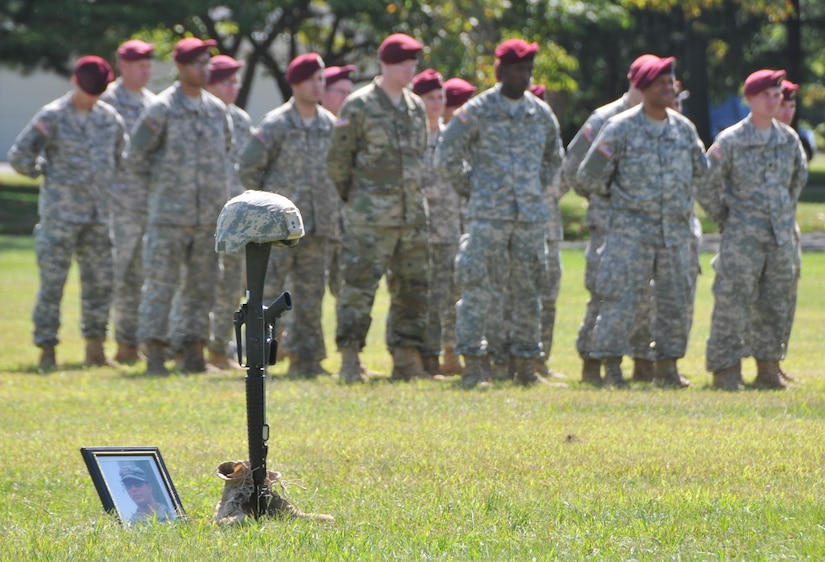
260 136
151 123
342 122
606 149
43 127
588 133
716 151
462 115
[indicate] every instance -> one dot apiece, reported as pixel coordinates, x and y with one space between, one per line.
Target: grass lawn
423 470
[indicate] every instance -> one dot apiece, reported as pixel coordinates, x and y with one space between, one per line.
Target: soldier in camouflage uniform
224 85
287 155
375 161
76 143
649 161
511 142
598 209
757 171
338 87
444 207
130 198
180 147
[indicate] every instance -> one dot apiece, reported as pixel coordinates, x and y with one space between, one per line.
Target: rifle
261 350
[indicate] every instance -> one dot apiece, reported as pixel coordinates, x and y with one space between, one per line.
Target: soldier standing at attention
444 232
76 143
338 87
757 171
649 161
512 144
180 147
130 197
375 161
598 209
287 155
224 85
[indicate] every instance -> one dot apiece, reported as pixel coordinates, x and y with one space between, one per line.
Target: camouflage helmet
257 216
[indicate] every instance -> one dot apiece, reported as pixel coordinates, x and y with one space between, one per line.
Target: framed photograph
133 483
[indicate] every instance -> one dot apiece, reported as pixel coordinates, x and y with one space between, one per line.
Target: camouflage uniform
127 223
375 161
650 175
751 192
180 147
78 161
596 221
229 289
287 156
444 205
553 237
514 150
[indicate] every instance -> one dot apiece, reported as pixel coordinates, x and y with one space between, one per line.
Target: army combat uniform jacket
375 158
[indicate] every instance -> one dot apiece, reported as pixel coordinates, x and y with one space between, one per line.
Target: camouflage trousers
641 335
402 252
628 265
499 258
443 296
304 266
178 258
228 294
754 282
127 230
334 267
498 341
56 243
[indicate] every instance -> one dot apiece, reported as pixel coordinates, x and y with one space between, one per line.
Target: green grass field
423 471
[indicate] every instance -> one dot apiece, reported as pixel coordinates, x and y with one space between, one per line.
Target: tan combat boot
193 360
95 356
350 365
430 365
643 370
219 360
155 357
126 354
591 372
768 376
452 366
48 360
613 372
473 375
667 375
304 368
525 371
406 364
729 378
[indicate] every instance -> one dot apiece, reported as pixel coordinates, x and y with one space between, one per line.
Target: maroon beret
458 91
190 48
93 74
135 49
516 50
790 91
335 73
399 47
222 67
427 81
651 70
638 64
538 90
762 80
303 66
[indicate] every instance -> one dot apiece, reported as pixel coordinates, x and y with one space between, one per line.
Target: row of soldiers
457 206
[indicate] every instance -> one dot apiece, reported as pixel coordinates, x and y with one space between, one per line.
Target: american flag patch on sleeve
588 133
342 122
151 123
606 149
716 151
42 127
462 115
261 137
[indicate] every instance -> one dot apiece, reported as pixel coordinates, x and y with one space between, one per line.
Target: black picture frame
113 468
